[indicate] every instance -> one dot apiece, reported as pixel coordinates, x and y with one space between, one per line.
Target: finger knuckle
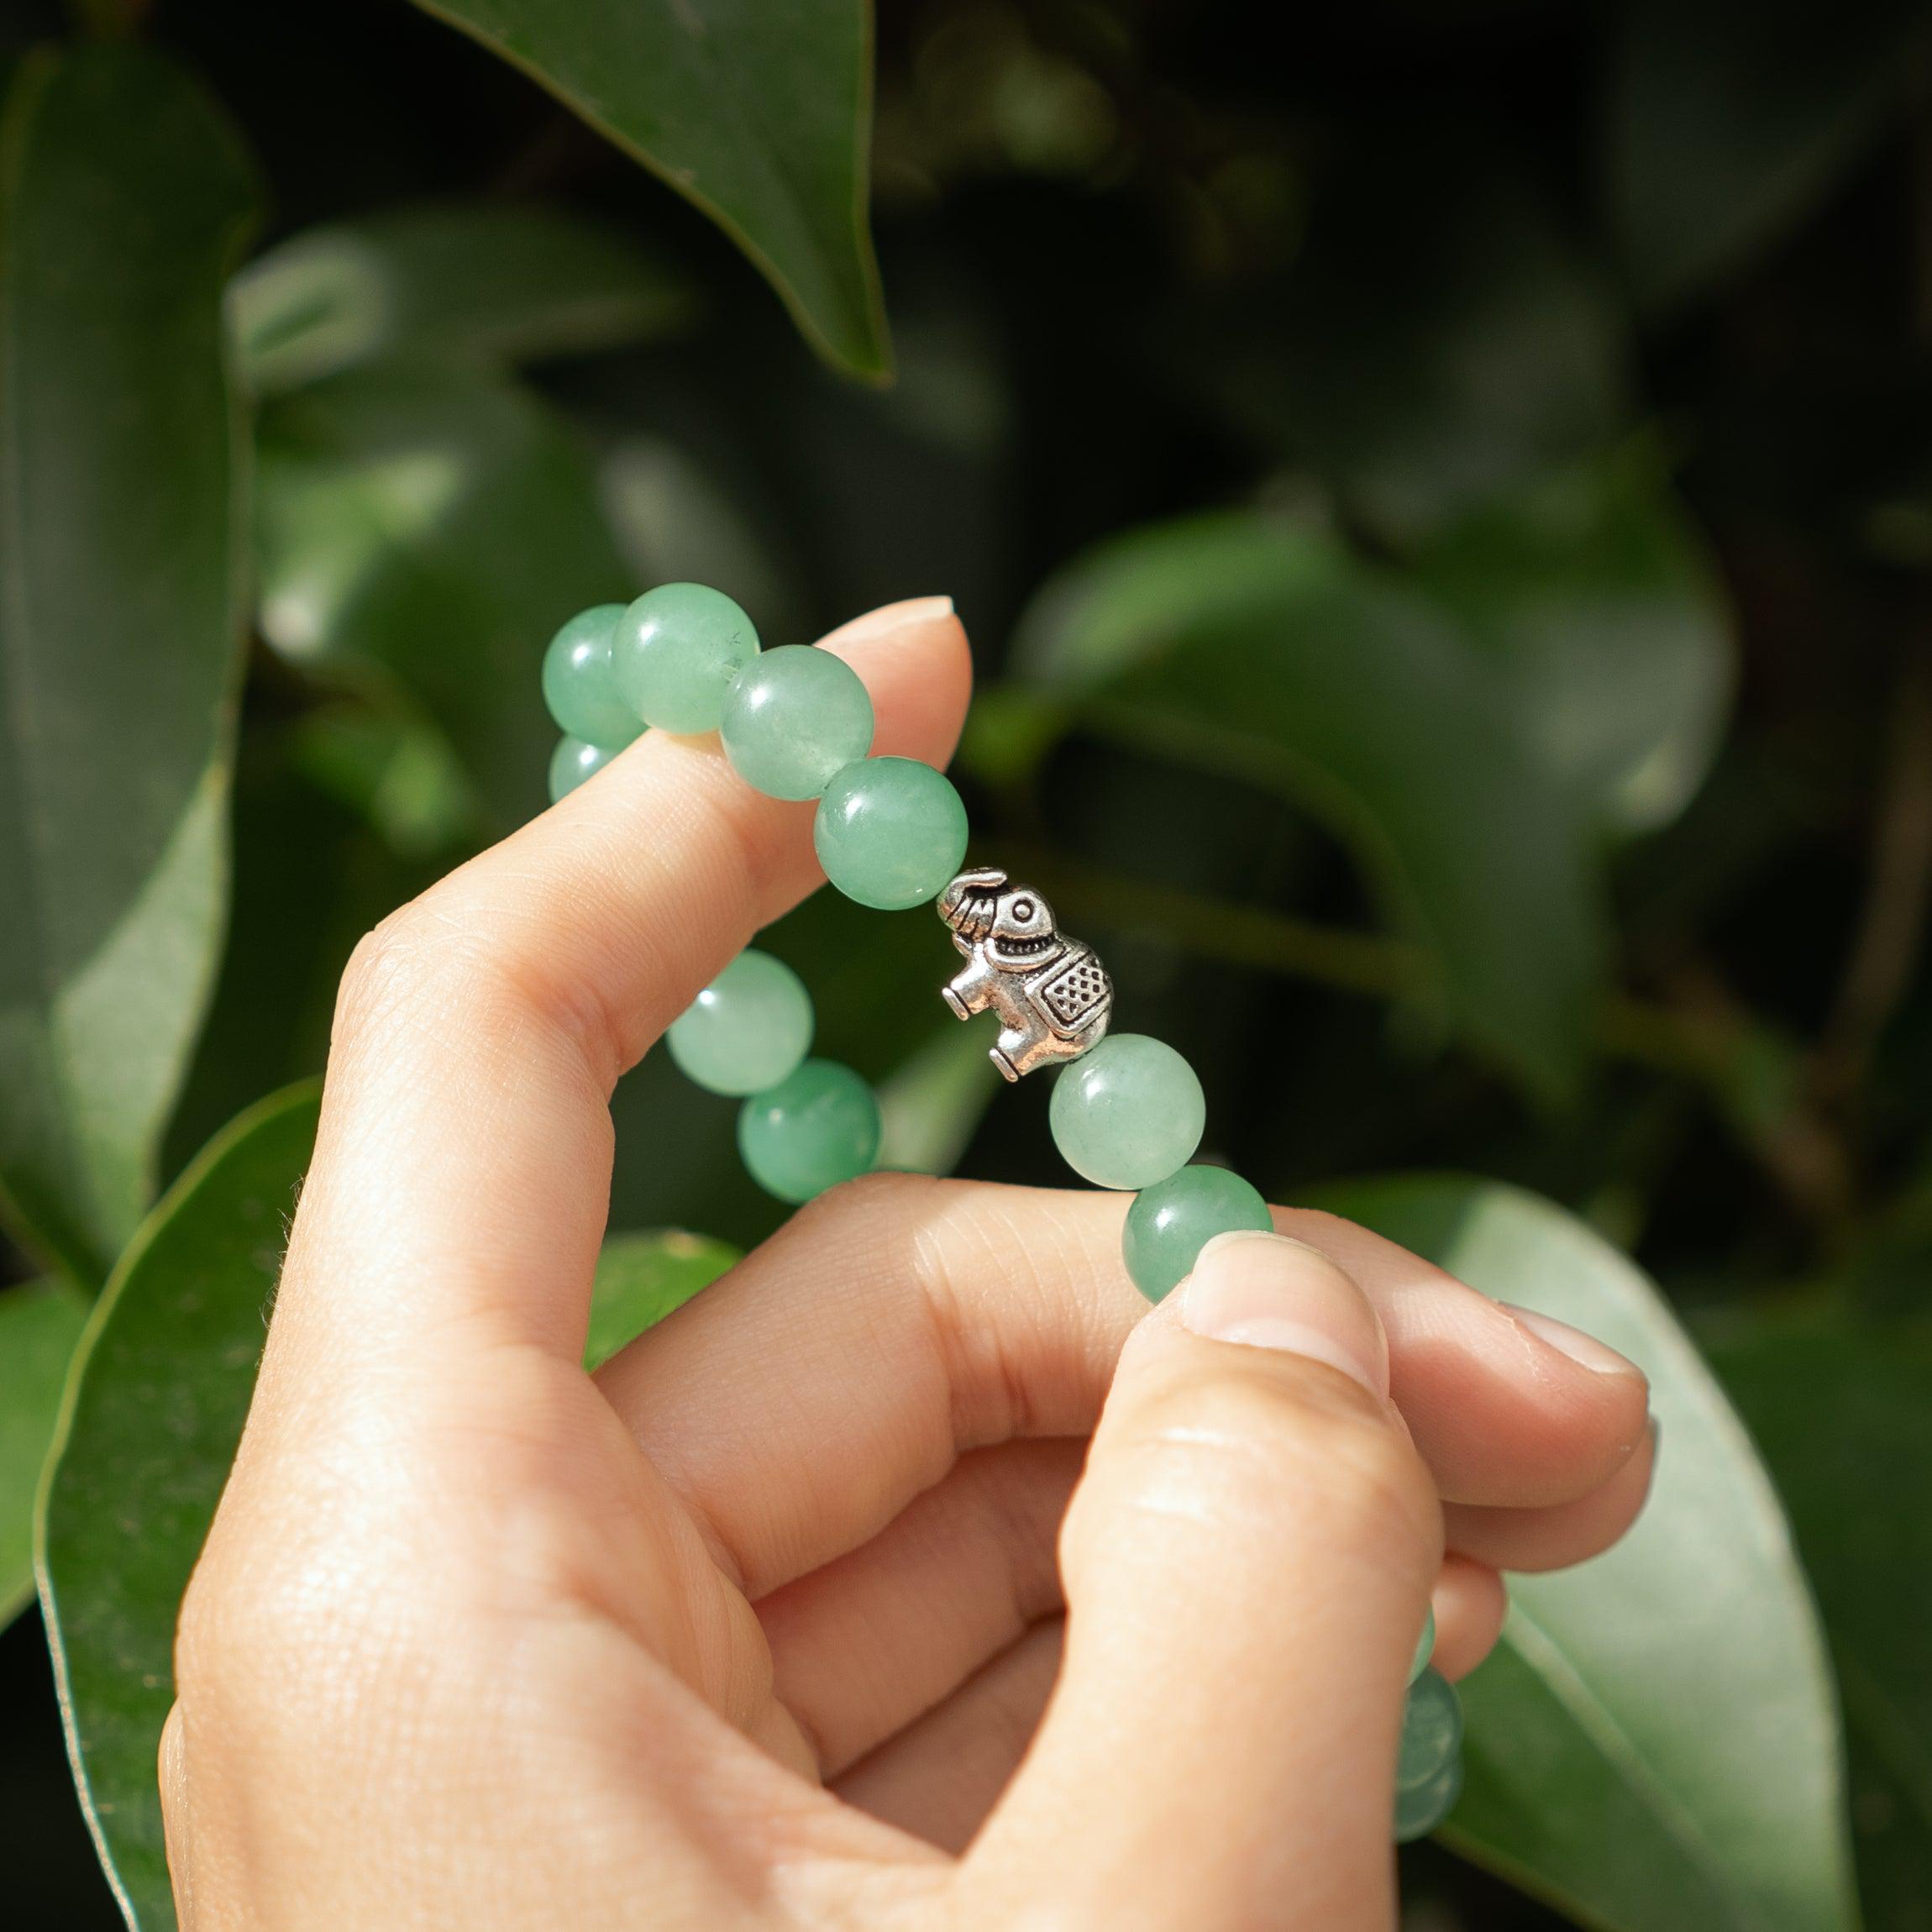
1277 1446
391 969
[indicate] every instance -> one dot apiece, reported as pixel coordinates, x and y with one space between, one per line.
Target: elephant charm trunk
1052 994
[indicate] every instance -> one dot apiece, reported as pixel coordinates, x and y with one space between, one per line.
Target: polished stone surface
580 681
747 1030
891 832
793 717
572 762
810 1132
1173 1220
676 650
1129 1113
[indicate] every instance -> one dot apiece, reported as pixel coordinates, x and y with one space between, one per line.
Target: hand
757 1627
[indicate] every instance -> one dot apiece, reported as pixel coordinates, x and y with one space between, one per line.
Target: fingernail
1267 1291
890 617
1596 1356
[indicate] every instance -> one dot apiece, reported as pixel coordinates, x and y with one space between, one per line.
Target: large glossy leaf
124 199
39 1324
1843 1413
1265 651
1654 1746
481 282
643 1278
760 115
1731 119
153 1415
441 524
1592 593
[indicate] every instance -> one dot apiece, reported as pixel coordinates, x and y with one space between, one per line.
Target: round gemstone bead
1425 1645
1173 1220
573 761
580 681
891 832
1431 1730
792 718
810 1131
748 1030
1419 1809
676 650
1129 1113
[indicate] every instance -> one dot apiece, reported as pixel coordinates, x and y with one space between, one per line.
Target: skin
759 1627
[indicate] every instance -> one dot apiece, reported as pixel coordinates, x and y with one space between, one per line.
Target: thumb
1247 1562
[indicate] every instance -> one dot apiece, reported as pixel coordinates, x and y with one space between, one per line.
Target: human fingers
1454 1353
461 1176
1562 1533
803 1400
940 1777
1470 1604
1247 1563
867 1645
871 1646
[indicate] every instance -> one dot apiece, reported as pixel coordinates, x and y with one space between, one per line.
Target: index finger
461 1175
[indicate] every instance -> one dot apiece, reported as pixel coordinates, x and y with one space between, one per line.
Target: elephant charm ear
970 904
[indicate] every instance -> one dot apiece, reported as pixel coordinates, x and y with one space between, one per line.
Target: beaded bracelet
1127 1113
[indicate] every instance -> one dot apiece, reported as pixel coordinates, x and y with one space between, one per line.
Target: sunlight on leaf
1655 1746
643 1278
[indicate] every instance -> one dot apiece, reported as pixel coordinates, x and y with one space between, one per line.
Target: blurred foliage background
1442 500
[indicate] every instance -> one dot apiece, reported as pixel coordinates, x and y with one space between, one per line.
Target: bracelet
1127 1113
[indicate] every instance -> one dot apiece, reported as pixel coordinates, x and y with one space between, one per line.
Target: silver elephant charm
1052 993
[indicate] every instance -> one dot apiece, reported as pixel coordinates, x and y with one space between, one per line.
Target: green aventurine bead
891 832
1172 1222
809 1132
676 651
573 761
1421 1809
580 681
747 1030
1425 1645
792 718
1129 1113
1431 1731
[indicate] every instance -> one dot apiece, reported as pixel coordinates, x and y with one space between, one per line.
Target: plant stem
1751 1073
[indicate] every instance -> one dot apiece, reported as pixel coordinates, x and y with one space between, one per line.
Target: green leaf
153 1415
1592 593
40 1325
1266 652
1730 120
932 1106
1843 1413
442 523
759 116
643 1278
1654 1746
125 197
480 283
